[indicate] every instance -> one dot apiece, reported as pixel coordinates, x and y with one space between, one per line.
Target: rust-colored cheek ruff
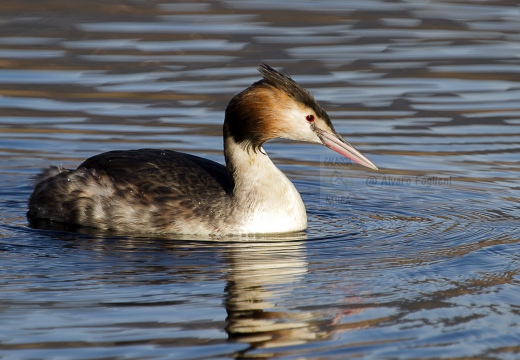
251 117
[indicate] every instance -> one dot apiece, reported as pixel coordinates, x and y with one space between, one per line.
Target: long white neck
265 200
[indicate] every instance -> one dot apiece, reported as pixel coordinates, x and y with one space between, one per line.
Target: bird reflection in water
262 304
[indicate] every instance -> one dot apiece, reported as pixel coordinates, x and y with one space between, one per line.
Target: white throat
266 201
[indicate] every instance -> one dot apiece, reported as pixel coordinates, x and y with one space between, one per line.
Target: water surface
417 260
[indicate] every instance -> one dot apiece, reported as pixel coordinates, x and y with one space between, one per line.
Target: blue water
417 260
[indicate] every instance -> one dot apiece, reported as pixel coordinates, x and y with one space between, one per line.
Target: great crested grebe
164 191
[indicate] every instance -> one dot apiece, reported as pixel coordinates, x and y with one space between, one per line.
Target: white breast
267 200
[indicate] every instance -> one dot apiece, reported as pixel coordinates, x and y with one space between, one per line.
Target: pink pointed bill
338 144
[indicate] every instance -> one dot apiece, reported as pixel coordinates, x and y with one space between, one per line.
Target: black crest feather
292 88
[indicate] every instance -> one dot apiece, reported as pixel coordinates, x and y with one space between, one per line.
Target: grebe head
279 107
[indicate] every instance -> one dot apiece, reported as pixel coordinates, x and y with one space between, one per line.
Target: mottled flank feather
133 190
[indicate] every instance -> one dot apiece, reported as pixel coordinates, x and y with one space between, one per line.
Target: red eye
310 118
